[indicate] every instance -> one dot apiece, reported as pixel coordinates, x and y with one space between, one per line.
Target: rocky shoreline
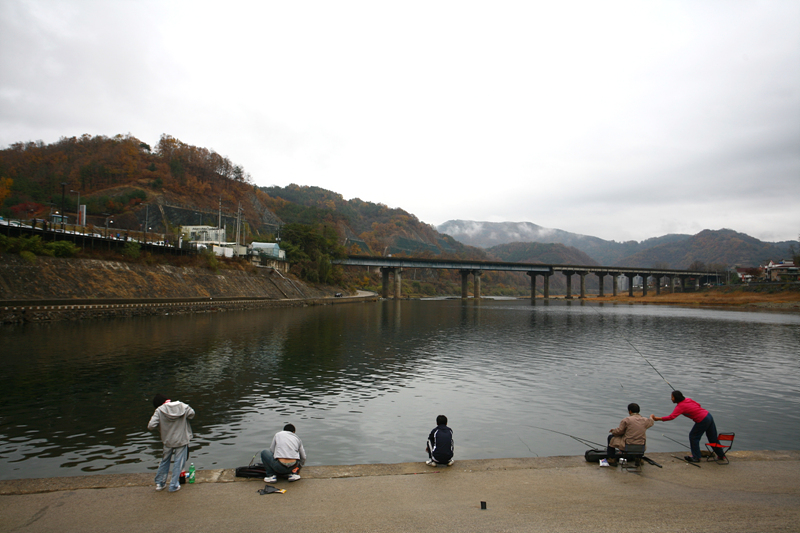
78 289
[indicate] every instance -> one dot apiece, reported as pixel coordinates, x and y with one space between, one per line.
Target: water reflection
364 382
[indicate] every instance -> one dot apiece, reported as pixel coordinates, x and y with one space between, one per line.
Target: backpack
252 470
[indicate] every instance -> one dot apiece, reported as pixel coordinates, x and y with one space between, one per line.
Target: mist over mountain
720 247
490 234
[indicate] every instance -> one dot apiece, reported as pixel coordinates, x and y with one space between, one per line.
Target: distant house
782 271
746 274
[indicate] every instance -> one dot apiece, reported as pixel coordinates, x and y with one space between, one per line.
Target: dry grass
789 299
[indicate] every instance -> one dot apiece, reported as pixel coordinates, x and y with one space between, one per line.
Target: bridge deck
451 264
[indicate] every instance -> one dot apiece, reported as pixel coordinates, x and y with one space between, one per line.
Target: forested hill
537 252
716 249
366 227
127 182
117 177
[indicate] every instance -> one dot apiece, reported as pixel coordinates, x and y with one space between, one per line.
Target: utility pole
63 192
238 219
219 222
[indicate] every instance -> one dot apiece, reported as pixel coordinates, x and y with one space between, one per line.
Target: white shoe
176 490
270 479
294 477
160 487
430 462
450 462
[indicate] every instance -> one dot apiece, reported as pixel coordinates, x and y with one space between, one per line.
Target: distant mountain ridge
490 234
723 247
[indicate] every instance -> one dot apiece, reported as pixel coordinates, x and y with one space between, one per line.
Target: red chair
725 444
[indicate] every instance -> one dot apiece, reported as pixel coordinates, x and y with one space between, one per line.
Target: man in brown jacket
630 431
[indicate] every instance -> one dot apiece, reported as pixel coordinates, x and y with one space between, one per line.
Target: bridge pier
568 274
546 287
398 282
630 277
583 284
671 284
476 284
600 278
615 283
533 284
644 284
658 284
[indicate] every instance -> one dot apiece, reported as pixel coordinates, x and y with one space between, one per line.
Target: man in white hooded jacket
172 419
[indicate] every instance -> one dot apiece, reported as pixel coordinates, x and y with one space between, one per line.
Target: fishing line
640 353
582 441
526 445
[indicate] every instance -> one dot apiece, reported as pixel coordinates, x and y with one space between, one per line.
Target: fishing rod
582 441
649 363
640 353
587 442
673 440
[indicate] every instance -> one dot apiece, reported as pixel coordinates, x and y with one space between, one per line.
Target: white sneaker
176 490
160 487
450 462
270 479
430 462
294 477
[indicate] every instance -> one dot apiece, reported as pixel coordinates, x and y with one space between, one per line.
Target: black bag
594 456
252 470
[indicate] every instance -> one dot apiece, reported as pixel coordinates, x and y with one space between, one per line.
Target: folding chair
725 444
633 453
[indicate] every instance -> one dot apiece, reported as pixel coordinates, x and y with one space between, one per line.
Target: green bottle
190 476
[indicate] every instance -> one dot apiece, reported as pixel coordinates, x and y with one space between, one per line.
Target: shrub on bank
28 256
35 246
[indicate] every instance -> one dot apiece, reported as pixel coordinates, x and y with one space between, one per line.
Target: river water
364 383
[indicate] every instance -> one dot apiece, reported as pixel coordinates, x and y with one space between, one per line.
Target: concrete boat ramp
756 492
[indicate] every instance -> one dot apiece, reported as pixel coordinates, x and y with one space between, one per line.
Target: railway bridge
391 266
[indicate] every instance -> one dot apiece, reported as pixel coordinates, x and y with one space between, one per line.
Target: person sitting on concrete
172 419
631 430
440 444
286 455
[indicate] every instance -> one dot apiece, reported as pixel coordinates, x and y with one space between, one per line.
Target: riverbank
53 289
757 491
778 297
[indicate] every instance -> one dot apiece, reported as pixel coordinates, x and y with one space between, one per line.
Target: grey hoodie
173 420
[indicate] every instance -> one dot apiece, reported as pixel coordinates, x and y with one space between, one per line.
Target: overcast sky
622 120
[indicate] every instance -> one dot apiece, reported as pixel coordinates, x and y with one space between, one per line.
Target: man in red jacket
703 423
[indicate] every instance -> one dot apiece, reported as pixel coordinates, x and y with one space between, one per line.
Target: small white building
269 249
203 234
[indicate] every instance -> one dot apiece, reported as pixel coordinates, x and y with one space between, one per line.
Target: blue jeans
274 467
708 427
163 469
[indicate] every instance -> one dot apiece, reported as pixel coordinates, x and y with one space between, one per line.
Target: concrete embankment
74 289
757 491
